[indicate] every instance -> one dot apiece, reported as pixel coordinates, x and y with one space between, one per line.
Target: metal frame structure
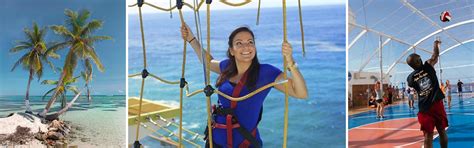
366 29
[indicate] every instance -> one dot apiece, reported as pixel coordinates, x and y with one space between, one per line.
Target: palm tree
38 53
87 76
63 89
78 37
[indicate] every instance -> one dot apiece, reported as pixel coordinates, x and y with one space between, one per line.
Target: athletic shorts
434 117
379 101
410 97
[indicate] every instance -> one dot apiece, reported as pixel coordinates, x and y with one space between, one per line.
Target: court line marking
381 121
434 137
393 129
373 116
403 103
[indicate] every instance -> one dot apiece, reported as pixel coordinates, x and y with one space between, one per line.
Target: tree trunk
88 92
54 96
56 115
66 74
27 98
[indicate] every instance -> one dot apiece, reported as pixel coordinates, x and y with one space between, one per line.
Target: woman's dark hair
231 69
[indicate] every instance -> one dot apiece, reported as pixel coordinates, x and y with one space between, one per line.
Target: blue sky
15 15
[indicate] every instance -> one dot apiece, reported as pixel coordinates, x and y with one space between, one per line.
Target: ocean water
316 121
10 104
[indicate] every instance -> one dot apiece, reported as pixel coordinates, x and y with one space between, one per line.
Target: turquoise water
9 104
317 121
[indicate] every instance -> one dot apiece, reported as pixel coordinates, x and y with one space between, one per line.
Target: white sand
98 128
9 124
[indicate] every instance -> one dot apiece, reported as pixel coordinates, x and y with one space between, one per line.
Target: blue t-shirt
247 111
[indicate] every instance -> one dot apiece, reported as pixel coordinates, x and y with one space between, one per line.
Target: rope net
208 90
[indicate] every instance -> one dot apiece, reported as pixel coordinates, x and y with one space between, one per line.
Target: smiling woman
89 85
239 75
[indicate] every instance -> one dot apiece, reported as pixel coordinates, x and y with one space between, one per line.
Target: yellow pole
143 79
181 90
301 27
208 60
285 126
258 12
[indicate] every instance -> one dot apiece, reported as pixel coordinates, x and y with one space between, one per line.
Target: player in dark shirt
460 88
430 97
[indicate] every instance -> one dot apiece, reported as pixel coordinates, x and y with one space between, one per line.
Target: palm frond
72 21
92 26
73 89
35 32
29 35
52 55
84 76
39 74
80 49
70 64
83 16
20 61
73 80
62 30
35 62
54 46
41 47
42 34
19 47
94 39
96 59
50 82
48 92
51 65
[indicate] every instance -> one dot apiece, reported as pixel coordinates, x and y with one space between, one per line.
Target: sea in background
99 121
316 121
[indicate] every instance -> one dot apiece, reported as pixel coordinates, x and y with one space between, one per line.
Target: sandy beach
93 125
98 128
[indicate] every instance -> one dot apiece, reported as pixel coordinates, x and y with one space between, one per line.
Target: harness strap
228 122
246 143
249 137
233 105
224 126
232 121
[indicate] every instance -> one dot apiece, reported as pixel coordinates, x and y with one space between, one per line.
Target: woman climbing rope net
234 123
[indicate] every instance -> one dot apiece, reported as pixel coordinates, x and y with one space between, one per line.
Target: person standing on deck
460 88
448 92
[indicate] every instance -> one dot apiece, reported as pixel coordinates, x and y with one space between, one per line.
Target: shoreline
92 127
